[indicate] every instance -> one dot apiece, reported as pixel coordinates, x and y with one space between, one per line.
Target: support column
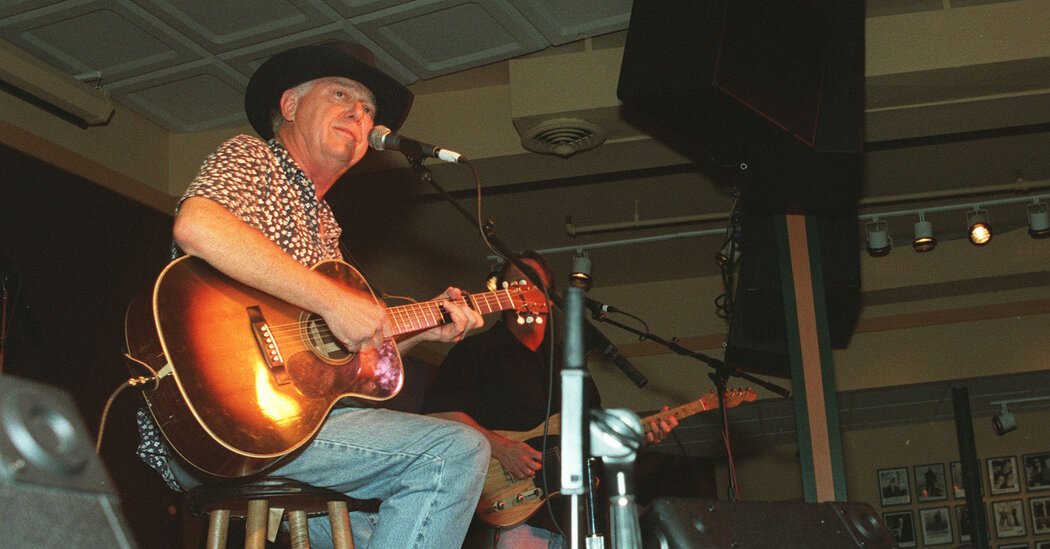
809 351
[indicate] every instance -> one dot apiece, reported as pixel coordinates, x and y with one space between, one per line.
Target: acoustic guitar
508 501
246 379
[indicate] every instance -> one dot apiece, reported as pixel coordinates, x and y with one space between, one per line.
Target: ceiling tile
355 8
78 37
435 37
222 26
195 97
15 7
563 22
246 60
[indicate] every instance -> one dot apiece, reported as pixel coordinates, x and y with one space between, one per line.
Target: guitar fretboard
415 317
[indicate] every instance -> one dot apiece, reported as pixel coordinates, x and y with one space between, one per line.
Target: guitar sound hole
321 341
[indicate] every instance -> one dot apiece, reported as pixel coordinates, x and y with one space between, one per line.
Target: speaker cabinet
774 84
54 491
676 523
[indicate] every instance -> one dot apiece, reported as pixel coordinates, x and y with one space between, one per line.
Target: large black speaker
757 340
678 523
775 84
54 491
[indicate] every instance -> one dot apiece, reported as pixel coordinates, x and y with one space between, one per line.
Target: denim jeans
427 471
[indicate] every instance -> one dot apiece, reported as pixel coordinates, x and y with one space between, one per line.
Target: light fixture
1038 220
924 240
878 238
580 277
978 228
492 280
1004 421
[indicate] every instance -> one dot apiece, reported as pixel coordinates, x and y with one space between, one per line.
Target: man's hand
464 319
518 458
658 430
357 321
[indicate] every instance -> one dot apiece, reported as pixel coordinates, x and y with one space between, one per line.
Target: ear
289 103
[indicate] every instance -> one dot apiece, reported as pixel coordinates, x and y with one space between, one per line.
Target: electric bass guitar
508 501
245 379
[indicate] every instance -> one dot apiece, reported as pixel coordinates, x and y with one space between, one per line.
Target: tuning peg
521 319
539 320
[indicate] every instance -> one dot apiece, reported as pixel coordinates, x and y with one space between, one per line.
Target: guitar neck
682 412
416 317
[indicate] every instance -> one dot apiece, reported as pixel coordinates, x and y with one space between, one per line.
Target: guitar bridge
271 352
509 502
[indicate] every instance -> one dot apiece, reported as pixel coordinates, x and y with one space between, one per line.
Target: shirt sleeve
236 176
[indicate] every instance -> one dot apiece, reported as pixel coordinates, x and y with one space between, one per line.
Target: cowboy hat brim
288 69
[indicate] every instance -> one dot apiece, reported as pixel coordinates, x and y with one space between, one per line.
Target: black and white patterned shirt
261 184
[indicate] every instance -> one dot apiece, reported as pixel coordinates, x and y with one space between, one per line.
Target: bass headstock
529 302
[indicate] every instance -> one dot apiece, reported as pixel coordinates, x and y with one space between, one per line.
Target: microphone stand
720 375
573 435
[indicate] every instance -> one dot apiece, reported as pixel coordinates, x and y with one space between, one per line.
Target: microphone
381 139
598 340
598 307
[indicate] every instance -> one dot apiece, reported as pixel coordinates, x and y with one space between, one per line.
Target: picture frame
1013 546
894 488
1042 545
962 519
936 526
930 482
958 490
1040 513
1003 476
1009 518
901 525
1036 471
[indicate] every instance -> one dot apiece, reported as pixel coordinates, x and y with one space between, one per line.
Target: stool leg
297 527
339 517
218 528
255 527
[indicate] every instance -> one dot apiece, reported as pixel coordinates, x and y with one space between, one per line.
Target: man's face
515 274
333 119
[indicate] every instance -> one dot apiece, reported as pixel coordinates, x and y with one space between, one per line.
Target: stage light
980 230
492 280
1004 421
924 240
580 276
878 239
1038 220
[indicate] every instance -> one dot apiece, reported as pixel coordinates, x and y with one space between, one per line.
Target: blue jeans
427 471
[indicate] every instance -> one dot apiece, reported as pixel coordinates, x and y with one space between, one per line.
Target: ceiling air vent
563 137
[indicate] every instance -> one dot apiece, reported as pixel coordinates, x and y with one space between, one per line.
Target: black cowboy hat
337 58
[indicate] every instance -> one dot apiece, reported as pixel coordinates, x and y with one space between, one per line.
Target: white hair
276 117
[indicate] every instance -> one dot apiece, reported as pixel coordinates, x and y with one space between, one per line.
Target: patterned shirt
261 184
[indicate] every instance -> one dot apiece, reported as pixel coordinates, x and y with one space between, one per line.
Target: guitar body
233 405
508 501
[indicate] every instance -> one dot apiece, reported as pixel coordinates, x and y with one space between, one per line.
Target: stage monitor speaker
776 85
54 491
757 340
680 523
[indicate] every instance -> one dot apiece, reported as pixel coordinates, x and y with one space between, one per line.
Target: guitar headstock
529 302
735 397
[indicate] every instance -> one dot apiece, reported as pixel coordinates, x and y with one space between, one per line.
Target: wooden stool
261 502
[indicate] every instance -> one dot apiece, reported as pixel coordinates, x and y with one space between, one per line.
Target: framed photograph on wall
1002 475
930 482
1013 546
962 518
902 525
957 480
1042 545
893 486
1040 508
936 526
1008 517
1036 471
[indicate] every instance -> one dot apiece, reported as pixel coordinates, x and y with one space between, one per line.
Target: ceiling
957 95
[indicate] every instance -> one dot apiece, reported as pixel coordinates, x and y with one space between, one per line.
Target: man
498 380
256 212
